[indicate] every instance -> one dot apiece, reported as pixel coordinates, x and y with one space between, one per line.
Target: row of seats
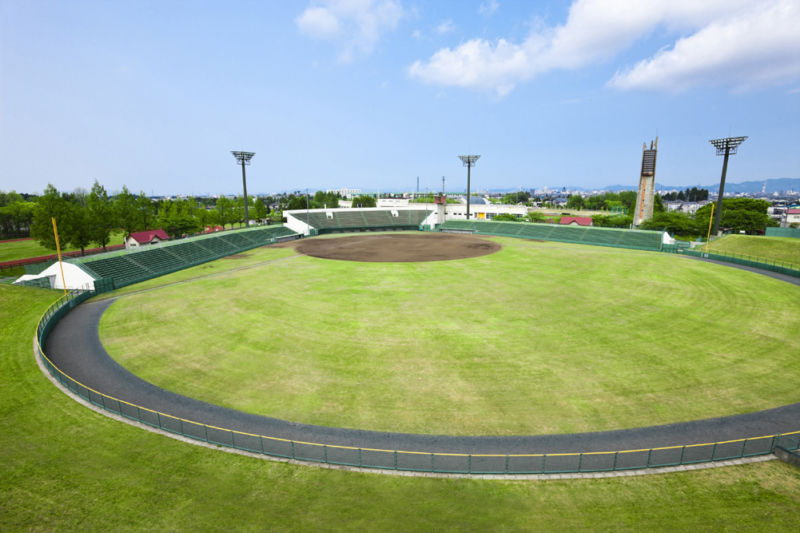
355 219
623 238
138 265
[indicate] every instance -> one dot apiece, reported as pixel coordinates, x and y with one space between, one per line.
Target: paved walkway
74 346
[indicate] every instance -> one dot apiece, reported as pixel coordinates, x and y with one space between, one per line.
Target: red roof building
152 236
577 221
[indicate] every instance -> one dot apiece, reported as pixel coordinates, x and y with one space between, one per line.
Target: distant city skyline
371 94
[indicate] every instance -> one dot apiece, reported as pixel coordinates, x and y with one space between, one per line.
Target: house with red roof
141 238
792 216
576 221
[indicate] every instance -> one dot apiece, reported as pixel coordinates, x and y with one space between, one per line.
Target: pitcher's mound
401 247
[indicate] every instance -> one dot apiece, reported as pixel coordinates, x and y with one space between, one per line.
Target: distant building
575 221
141 238
792 216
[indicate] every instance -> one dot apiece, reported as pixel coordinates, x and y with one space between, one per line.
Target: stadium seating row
133 266
366 219
620 238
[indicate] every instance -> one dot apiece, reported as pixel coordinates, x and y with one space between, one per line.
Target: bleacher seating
621 238
132 266
369 219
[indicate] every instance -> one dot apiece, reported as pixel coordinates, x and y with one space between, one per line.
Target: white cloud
749 50
720 37
488 8
318 22
356 25
445 27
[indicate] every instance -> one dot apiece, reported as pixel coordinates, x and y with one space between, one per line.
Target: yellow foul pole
710 220
58 249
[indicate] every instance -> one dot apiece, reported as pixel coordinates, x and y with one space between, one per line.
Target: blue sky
372 94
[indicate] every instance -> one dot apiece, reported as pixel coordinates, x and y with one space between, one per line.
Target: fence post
506 463
205 430
325 453
292 448
580 461
683 451
614 466
360 463
469 464
431 462
544 463
395 459
649 455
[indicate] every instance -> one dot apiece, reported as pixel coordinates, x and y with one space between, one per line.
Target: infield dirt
399 248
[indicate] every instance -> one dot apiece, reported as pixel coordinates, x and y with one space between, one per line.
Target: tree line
90 217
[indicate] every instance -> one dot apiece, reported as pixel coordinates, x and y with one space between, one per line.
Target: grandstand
618 238
113 270
345 220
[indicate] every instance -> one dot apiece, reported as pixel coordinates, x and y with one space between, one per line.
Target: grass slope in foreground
782 249
67 468
537 338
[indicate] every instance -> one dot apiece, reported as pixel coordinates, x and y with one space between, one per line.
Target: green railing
783 232
781 267
405 460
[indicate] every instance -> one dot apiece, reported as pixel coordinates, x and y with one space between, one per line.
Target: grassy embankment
67 468
552 338
767 249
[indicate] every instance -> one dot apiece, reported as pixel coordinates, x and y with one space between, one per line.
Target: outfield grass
537 338
783 249
67 468
12 251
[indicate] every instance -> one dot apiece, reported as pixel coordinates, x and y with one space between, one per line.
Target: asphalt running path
74 346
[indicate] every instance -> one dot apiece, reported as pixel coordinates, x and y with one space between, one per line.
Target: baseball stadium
373 341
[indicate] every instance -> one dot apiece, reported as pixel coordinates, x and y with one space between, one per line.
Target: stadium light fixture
243 158
725 147
469 162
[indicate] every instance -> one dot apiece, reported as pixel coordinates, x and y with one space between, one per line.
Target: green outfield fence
405 460
783 232
781 267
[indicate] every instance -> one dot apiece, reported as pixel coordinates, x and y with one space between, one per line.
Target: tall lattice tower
643 208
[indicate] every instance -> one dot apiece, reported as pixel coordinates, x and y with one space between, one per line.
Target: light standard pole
469 162
725 147
244 159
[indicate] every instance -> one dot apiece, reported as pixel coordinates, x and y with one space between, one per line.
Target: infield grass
537 338
66 468
781 249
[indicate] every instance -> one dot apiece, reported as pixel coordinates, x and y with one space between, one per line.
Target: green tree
225 211
364 201
738 214
49 205
575 201
78 231
615 221
100 214
261 209
125 211
146 211
505 216
673 222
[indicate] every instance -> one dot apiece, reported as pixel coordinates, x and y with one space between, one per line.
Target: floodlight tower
726 147
244 158
469 162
